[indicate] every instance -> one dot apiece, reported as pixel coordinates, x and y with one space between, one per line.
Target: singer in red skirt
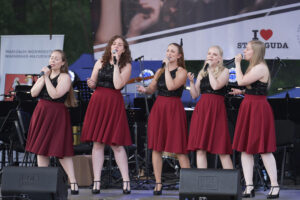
254 131
105 120
209 129
167 126
50 132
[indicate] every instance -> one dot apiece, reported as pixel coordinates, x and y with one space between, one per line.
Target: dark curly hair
125 57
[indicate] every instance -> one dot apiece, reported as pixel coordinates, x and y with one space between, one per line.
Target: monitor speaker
209 184
35 183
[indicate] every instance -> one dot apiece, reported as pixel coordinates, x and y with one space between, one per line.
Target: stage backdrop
150 26
26 54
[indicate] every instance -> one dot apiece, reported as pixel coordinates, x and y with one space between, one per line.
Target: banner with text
150 27
26 54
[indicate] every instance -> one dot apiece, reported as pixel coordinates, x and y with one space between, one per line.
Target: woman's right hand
141 89
91 83
238 58
191 77
46 71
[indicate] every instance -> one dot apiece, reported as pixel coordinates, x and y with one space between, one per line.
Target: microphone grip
206 66
42 73
115 60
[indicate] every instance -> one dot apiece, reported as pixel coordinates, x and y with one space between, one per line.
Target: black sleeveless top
162 87
257 88
105 77
205 87
45 95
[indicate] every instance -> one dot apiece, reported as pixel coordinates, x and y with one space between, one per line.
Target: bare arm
94 77
151 87
63 86
221 81
195 88
39 84
37 87
258 72
178 81
122 76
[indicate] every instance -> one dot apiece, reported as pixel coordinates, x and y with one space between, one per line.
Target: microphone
164 64
231 60
114 57
42 73
139 58
206 66
280 62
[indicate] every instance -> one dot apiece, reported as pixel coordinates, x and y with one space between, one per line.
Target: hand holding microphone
43 72
114 56
206 66
165 62
238 58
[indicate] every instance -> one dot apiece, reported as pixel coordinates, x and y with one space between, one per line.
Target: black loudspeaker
35 183
209 184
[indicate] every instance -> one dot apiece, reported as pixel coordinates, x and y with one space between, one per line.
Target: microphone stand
141 66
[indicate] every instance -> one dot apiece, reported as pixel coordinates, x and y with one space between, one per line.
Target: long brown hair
125 56
180 60
220 66
259 51
71 100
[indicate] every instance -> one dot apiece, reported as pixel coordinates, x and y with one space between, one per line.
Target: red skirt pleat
105 119
255 130
209 127
50 132
167 126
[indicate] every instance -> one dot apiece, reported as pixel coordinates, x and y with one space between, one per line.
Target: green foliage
69 17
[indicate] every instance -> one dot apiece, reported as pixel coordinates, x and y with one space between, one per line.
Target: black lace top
162 87
105 77
45 95
257 88
205 87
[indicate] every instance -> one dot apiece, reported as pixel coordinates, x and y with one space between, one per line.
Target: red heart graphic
266 34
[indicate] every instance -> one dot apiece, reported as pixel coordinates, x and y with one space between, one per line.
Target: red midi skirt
50 132
255 130
167 126
209 127
105 119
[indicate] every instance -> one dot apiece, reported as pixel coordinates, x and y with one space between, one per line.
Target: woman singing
209 129
105 120
167 126
254 131
50 132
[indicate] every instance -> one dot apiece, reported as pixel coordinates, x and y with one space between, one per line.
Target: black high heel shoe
126 190
74 192
157 192
95 184
248 195
271 195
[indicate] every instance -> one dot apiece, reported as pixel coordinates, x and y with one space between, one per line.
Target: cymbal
138 79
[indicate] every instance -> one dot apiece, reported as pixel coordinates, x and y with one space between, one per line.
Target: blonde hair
220 66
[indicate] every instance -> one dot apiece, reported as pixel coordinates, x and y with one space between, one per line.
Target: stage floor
111 194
